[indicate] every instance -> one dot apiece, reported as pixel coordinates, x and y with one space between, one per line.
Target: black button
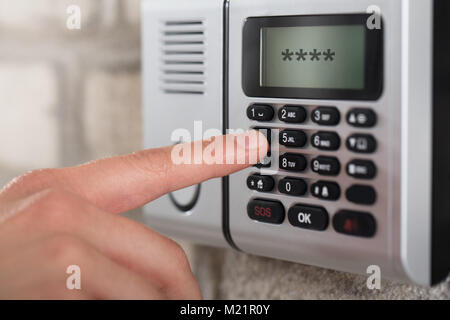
260 112
327 166
292 114
354 223
326 116
308 217
361 194
260 183
361 169
266 211
326 190
361 143
266 162
292 186
293 138
292 162
363 118
326 140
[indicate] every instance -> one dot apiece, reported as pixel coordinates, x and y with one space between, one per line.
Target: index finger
123 183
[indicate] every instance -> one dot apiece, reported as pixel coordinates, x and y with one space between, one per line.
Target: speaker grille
183 61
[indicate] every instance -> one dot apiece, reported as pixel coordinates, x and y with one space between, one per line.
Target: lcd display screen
317 57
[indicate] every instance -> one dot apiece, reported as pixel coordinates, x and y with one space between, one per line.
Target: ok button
308 217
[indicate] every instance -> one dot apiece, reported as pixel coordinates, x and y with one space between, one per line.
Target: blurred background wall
70 96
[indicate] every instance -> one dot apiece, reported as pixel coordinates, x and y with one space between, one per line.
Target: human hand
53 218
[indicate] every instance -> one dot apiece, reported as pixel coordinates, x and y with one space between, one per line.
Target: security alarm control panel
352 97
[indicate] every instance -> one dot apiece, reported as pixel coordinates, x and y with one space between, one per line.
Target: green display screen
323 57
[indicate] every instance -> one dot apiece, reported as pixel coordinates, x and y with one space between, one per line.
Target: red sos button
266 211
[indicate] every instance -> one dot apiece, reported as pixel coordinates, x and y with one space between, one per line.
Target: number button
363 118
260 112
326 116
293 138
327 166
293 162
260 183
266 211
292 114
361 143
326 141
292 186
326 190
361 169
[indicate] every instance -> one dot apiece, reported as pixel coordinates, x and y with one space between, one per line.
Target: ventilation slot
183 57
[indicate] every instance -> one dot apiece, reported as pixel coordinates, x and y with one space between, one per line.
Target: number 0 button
292 186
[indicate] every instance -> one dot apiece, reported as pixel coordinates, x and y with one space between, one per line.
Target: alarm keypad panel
328 196
320 162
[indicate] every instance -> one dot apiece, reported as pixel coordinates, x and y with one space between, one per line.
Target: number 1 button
260 112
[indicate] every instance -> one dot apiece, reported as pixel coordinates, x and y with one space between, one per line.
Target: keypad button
323 140
292 114
354 223
361 143
293 162
327 166
361 169
326 190
326 116
361 194
260 183
293 138
308 217
260 112
292 186
266 211
360 117
266 162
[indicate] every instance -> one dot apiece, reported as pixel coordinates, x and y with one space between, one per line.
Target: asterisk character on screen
329 55
315 55
301 55
287 55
